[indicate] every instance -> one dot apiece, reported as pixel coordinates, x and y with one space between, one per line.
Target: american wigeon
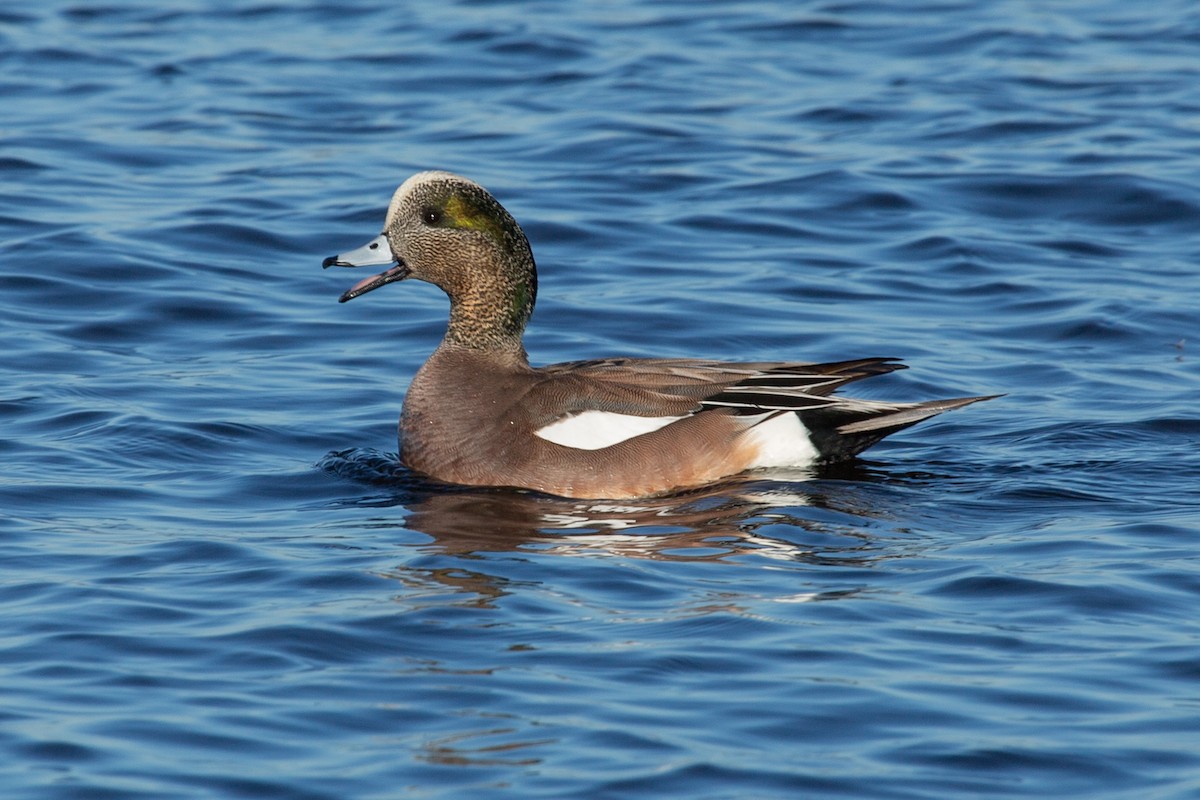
477 413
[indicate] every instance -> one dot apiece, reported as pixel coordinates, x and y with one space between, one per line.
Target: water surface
217 582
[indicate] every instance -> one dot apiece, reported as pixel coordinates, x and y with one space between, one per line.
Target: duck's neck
492 314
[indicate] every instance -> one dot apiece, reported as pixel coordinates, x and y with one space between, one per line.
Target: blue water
216 583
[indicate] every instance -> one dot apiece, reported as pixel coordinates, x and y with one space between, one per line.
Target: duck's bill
396 273
375 252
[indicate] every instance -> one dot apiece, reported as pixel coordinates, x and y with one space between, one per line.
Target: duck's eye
431 216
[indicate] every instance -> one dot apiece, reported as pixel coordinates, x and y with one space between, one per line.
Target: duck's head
451 232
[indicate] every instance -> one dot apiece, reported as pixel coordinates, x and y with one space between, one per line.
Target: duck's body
477 413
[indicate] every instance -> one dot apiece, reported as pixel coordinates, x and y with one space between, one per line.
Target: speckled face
451 232
432 201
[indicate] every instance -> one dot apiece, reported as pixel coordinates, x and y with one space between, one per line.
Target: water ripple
221 582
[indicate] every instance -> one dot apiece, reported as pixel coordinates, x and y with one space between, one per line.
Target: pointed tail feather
843 431
903 416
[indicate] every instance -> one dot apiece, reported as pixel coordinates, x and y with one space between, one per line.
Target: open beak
375 252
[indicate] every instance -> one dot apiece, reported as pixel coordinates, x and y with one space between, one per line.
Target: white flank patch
593 430
783 442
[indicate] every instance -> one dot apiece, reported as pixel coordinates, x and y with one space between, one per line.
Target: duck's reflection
788 517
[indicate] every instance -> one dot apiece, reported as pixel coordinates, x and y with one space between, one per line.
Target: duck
478 414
